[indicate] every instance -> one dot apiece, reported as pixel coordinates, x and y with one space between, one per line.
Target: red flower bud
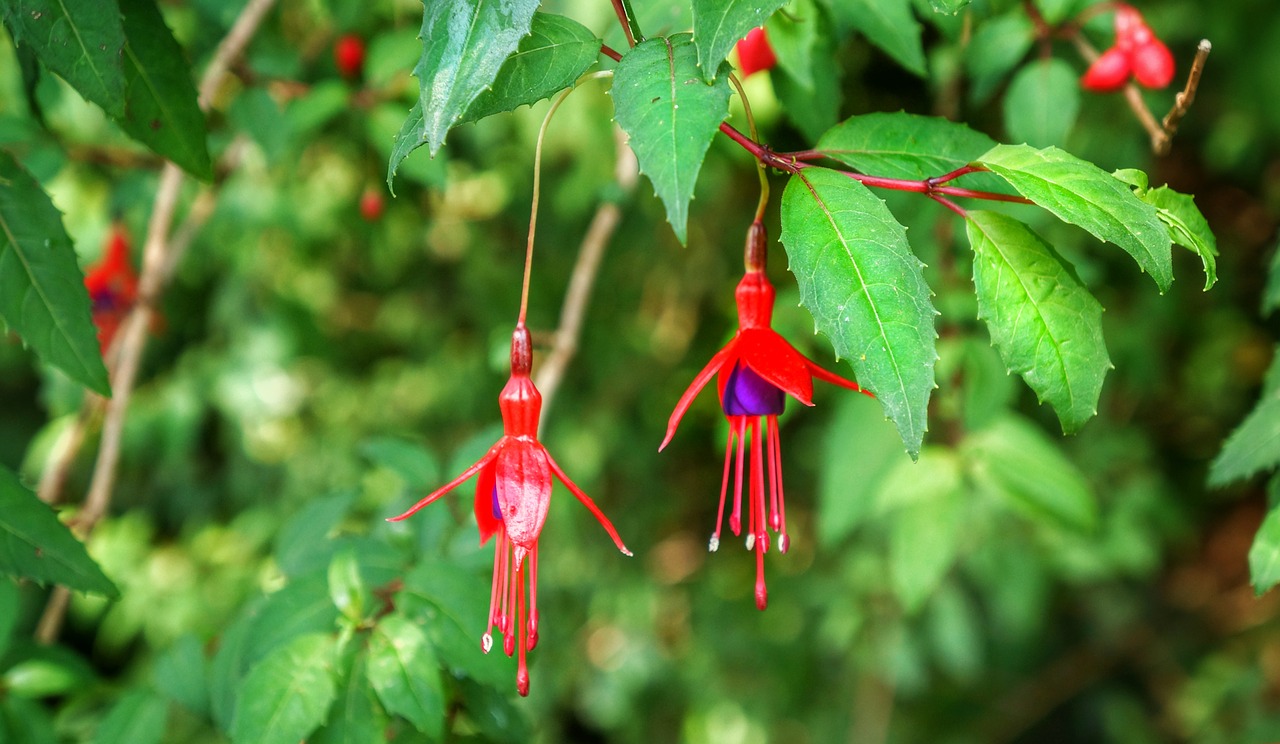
1152 64
348 55
1107 73
754 52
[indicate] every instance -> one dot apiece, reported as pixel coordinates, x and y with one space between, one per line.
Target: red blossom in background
348 55
513 494
754 373
113 287
755 52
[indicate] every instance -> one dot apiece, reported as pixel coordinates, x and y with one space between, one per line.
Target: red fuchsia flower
1137 51
754 373
113 287
513 493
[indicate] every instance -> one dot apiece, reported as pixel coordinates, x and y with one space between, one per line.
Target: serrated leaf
161 109
997 47
42 294
557 51
287 695
464 44
451 604
1041 104
405 674
346 587
670 116
1187 227
1253 447
1015 462
719 24
1083 194
924 502
793 36
891 26
865 289
1045 324
35 545
1264 554
910 146
138 718
78 39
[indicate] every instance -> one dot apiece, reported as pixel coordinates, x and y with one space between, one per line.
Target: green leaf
557 51
901 145
138 718
162 112
1015 462
1046 325
1253 447
356 717
949 7
1187 227
670 116
793 36
866 291
997 47
42 677
346 588
35 545
305 542
719 24
890 25
816 107
1264 554
926 504
1082 194
42 294
1057 11
181 674
404 672
1041 104
407 458
78 39
464 44
451 604
10 609
286 696
847 485
550 59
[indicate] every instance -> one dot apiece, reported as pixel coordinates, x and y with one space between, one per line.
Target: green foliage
719 24
1041 103
1046 325
160 100
42 294
80 40
35 545
866 292
464 45
670 116
1082 194
317 371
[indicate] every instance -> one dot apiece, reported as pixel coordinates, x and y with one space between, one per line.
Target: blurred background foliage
317 371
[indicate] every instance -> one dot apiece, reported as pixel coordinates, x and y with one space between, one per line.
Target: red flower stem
627 19
944 201
610 52
953 175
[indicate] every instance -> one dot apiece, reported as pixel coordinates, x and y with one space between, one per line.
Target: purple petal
748 394
497 512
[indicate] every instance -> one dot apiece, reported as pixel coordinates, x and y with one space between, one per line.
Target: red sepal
524 489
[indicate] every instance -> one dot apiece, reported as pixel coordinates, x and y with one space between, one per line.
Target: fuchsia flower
512 496
754 373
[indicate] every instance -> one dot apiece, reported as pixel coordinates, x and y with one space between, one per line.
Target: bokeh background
317 371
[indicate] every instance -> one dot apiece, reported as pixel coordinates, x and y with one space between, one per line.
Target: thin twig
1186 97
603 225
133 334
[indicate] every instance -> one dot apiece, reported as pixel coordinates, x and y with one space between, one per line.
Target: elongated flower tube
513 493
755 372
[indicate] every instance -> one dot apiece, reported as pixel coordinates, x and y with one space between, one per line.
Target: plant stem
627 18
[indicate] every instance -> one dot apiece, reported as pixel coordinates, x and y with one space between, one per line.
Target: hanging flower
513 493
754 373
113 287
